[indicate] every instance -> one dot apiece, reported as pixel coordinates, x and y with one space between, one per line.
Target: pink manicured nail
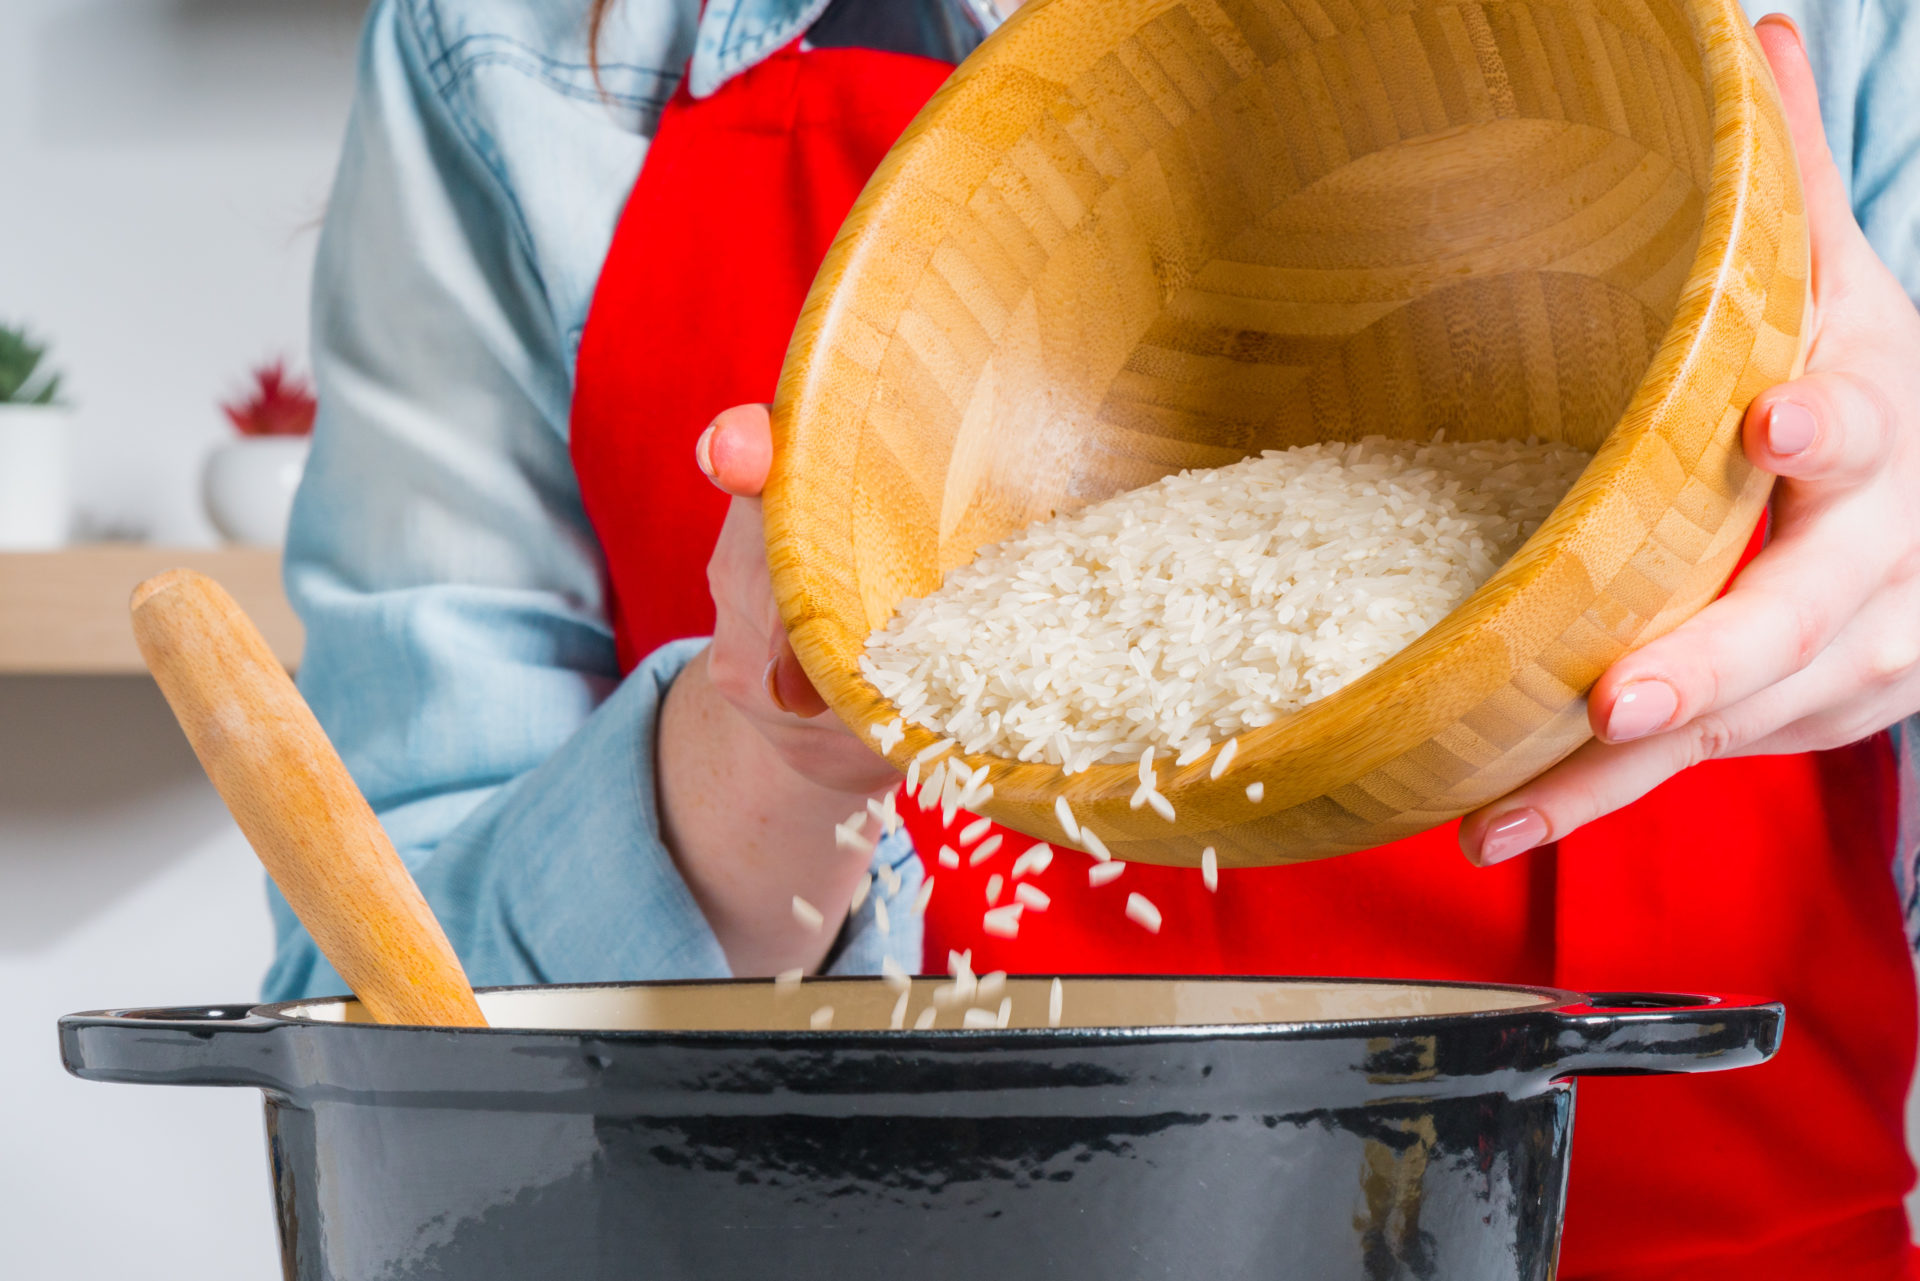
771 679
703 453
1517 833
1790 428
1639 709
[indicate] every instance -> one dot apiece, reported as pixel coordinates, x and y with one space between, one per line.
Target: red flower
281 404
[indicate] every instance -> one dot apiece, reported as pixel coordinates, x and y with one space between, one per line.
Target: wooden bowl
1135 236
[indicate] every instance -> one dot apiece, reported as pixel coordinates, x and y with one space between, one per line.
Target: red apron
1764 875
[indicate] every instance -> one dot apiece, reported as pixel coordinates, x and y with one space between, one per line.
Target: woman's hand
751 662
753 776
1817 643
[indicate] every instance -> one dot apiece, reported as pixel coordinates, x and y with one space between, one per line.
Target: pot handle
181 1045
1645 1033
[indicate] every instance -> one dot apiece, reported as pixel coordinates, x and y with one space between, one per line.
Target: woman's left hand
1817 643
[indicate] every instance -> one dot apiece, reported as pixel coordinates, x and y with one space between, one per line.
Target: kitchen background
163 167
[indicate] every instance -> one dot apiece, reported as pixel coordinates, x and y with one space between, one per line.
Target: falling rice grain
1225 758
1142 912
924 897
821 1018
986 849
880 921
1036 860
975 830
861 888
1056 998
978 1019
949 857
992 984
924 1020
1095 846
995 883
1003 922
1032 897
1005 1014
807 914
1256 792
1064 813
1102 873
1209 869
788 980
1161 805
898 1019
893 976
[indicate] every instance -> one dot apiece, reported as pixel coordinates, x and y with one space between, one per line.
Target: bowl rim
1288 756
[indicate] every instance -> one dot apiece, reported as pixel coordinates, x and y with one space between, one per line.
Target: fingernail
1790 428
1517 833
703 453
1639 709
771 679
1782 20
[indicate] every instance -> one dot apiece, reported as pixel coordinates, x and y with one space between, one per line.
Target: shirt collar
735 34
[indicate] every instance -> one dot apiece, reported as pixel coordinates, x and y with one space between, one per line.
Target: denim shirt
459 649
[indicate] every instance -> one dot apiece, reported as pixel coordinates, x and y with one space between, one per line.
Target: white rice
893 975
978 1019
1003 922
949 857
821 1018
1210 869
1101 873
807 914
898 1019
861 888
995 884
975 830
1031 897
924 1020
924 897
880 921
788 980
1210 602
1064 813
1036 860
987 848
1256 792
1056 999
1142 912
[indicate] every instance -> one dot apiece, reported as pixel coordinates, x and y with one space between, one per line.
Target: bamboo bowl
1134 236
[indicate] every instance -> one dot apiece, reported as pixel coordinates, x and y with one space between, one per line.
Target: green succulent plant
24 376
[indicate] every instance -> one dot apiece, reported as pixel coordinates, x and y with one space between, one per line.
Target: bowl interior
865 1004
1111 251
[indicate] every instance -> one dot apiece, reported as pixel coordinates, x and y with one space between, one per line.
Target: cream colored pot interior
866 1005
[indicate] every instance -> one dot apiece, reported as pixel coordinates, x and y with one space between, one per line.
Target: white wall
122 882
163 167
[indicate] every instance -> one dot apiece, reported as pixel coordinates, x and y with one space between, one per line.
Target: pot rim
1549 1001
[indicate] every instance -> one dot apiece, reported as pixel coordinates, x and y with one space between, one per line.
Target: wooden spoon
292 796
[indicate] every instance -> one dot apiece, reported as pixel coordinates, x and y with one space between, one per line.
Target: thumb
736 450
1834 234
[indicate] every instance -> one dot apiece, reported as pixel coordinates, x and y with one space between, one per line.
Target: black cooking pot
1182 1128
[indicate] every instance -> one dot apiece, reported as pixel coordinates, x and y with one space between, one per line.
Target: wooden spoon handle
292 796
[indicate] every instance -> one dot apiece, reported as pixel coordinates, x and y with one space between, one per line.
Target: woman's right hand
751 662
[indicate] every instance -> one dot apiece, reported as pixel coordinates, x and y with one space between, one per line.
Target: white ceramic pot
35 507
247 485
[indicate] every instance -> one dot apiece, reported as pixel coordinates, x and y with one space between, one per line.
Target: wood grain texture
296 803
1133 236
65 612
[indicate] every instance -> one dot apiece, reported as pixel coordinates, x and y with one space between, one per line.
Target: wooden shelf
65 612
